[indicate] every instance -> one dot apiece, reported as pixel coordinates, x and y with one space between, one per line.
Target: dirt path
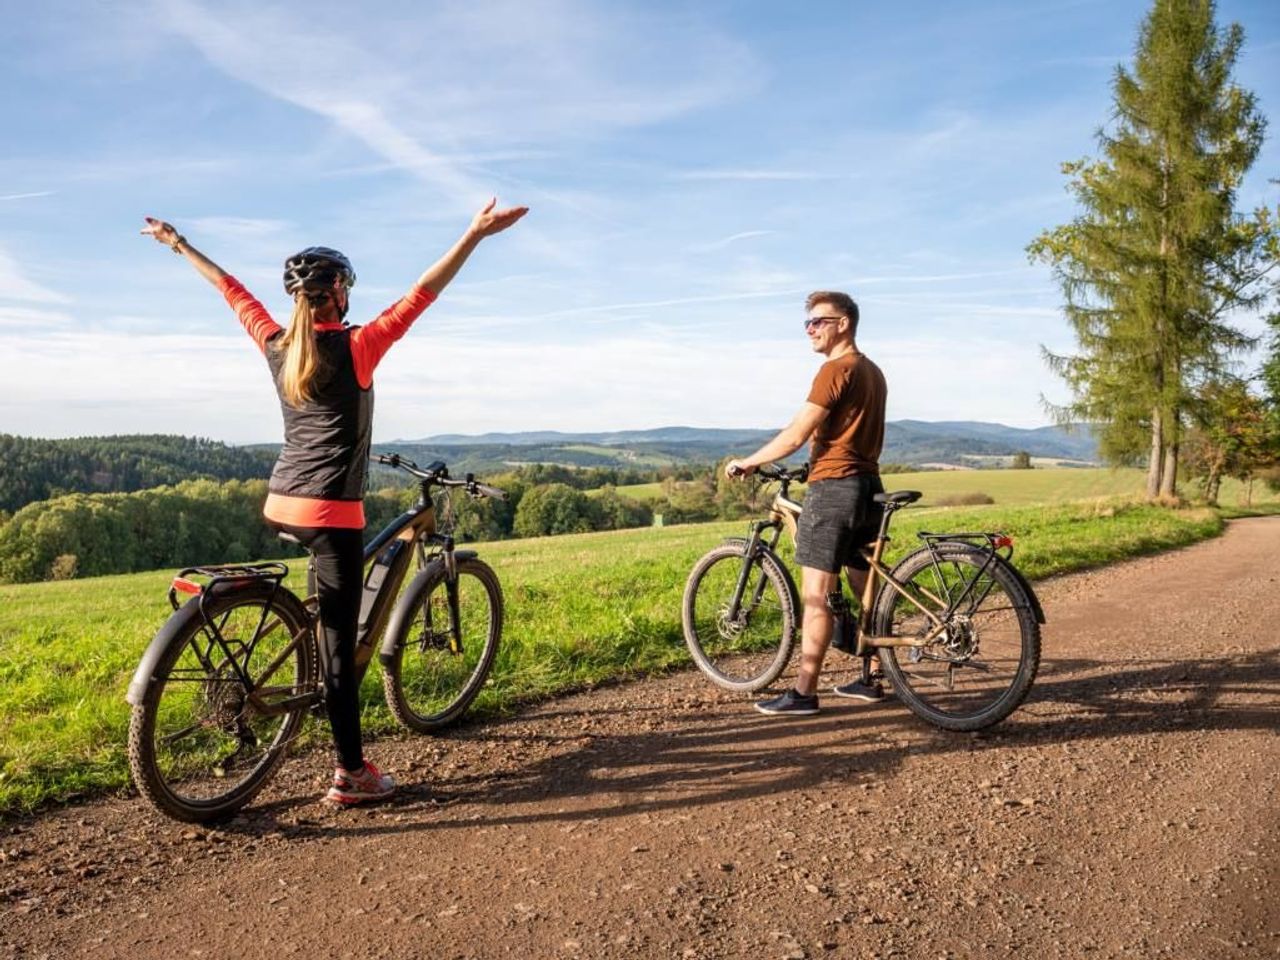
1128 810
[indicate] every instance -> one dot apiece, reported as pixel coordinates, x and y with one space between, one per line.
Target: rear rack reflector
187 586
1002 541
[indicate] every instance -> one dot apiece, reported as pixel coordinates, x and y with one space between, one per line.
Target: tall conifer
1158 260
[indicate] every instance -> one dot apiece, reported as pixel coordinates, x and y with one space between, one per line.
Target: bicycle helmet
315 269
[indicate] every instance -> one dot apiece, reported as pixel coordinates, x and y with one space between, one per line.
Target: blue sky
693 171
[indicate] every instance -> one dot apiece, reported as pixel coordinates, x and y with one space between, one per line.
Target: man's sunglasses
817 321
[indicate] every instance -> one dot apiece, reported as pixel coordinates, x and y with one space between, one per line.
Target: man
844 415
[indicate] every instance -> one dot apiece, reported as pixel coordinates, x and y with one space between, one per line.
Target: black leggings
338 558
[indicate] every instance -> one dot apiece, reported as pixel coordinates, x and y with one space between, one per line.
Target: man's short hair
840 301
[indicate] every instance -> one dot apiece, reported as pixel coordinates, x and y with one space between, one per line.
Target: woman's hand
163 232
490 221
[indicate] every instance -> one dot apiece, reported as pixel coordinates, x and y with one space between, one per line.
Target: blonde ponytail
301 359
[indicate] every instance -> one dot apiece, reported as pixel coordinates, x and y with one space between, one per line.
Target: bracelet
176 243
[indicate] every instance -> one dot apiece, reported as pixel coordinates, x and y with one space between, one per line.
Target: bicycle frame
784 514
387 557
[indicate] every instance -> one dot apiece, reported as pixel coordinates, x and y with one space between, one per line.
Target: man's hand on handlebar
738 469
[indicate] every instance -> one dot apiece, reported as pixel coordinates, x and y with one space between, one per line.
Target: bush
974 499
63 567
552 508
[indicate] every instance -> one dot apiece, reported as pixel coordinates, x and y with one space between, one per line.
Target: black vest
326 440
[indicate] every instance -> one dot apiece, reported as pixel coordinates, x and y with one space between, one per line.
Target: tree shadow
724 752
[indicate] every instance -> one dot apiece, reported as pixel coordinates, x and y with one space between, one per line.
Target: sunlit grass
580 609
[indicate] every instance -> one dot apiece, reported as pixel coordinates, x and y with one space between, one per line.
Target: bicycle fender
179 621
387 652
1026 586
146 669
1036 610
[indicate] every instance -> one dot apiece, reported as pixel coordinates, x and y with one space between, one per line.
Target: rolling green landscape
1015 487
581 609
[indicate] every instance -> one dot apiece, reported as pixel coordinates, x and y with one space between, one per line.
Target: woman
323 372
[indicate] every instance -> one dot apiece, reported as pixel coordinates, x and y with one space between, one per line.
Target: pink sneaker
365 785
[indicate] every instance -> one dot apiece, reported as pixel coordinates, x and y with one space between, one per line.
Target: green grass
580 610
1018 487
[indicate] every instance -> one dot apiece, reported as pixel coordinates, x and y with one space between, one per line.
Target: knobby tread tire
143 766
402 619
734 552
1029 629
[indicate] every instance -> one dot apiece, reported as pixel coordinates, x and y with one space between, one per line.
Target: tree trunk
1156 460
1212 485
1169 478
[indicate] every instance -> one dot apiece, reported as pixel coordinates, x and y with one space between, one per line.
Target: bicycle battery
373 582
844 633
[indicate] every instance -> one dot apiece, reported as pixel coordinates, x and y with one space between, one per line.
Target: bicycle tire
723 651
428 685
189 716
998 613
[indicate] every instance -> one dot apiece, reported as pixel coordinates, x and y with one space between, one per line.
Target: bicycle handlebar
436 472
775 472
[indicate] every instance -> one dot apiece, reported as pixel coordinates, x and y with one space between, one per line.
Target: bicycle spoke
970 668
744 645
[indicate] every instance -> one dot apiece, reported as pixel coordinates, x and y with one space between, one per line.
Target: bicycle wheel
747 651
432 678
199 747
981 667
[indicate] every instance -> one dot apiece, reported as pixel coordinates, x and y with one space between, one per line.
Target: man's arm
791 438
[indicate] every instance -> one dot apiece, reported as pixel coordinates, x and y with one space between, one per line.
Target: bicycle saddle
899 496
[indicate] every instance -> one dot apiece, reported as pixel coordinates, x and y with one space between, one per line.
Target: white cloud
15 285
750 174
85 383
501 73
27 196
723 242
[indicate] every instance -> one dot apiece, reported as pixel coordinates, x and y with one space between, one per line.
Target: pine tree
1158 261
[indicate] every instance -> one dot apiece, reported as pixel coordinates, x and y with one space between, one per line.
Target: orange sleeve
370 343
253 315
827 386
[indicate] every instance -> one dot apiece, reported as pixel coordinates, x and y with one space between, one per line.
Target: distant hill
906 441
33 469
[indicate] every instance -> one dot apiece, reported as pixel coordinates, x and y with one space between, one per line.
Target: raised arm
252 314
484 224
370 343
790 439
171 238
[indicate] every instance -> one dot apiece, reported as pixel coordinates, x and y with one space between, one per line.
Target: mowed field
580 609
1017 487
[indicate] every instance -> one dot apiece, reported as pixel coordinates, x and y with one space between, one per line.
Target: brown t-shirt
848 441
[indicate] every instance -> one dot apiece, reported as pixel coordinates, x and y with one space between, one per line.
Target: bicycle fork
752 551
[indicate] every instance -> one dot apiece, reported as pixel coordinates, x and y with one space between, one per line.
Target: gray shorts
839 519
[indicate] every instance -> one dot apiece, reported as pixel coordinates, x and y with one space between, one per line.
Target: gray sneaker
790 704
857 690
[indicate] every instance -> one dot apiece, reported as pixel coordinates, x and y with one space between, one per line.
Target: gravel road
1127 810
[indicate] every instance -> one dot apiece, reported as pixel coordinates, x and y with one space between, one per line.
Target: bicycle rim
744 650
982 666
434 676
199 747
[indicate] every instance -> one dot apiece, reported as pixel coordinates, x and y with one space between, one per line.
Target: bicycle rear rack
224 576
995 542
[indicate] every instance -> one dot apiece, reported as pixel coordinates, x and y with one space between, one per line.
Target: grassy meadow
579 609
1018 487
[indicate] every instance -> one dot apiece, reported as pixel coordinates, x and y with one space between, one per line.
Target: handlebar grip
737 472
488 491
